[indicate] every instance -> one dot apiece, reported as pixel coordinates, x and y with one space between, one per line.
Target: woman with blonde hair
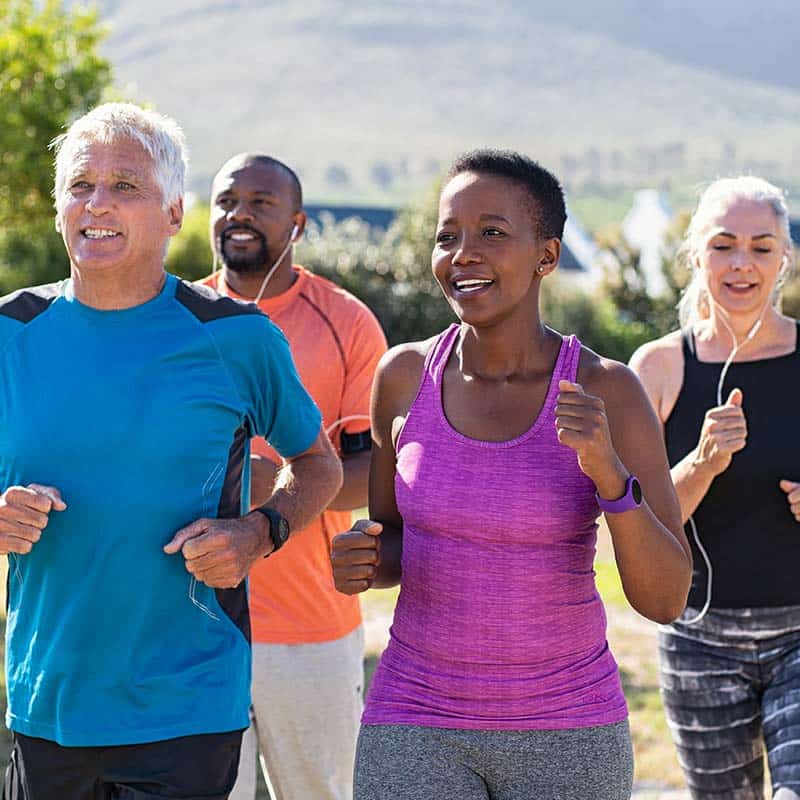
725 387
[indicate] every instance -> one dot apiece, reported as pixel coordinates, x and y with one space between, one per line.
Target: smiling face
111 213
487 250
254 207
742 256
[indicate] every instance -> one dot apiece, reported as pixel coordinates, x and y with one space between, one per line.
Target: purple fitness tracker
630 500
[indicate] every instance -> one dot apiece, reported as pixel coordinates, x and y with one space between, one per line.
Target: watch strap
632 498
278 527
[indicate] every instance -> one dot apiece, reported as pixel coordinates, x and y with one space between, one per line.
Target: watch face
636 492
282 531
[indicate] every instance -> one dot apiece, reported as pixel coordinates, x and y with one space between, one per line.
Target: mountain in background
369 99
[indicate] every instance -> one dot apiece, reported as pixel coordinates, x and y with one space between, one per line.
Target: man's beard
245 263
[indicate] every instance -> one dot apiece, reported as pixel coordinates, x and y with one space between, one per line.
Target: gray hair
693 305
160 136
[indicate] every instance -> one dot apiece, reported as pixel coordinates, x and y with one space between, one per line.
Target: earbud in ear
295 231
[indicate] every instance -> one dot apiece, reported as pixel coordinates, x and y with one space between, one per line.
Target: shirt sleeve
278 406
366 346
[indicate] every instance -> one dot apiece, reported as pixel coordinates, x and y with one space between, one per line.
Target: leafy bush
189 253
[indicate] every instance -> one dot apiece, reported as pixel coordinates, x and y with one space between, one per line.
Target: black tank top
744 521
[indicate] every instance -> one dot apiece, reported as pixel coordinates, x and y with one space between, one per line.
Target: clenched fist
355 556
724 433
24 514
582 424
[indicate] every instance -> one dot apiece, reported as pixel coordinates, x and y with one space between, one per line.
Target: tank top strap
436 359
568 358
688 346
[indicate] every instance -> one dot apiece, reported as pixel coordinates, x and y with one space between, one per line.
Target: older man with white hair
127 401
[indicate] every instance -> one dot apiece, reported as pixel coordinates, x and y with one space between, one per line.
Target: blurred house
645 228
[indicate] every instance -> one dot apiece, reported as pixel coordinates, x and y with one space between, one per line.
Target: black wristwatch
278 527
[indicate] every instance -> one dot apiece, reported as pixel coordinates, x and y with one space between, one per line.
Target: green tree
50 73
189 253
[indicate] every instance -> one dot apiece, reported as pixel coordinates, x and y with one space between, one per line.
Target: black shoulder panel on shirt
26 304
205 304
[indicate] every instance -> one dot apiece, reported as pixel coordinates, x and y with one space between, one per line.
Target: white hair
159 135
693 305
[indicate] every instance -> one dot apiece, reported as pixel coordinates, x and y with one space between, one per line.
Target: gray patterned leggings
731 686
407 762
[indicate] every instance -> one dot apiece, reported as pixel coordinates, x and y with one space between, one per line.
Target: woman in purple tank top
496 446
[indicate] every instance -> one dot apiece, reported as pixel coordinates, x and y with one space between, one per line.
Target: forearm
655 567
654 564
353 493
692 479
305 486
389 569
263 473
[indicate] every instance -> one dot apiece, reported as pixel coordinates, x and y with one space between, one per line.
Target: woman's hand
582 424
724 433
792 489
355 556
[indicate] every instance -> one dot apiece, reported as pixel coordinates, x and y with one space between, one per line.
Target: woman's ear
550 255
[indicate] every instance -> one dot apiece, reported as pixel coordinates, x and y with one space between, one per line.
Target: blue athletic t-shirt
142 419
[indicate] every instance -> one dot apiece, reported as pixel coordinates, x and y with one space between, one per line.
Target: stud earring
540 269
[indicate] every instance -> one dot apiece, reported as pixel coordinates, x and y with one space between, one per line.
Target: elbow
669 604
667 614
335 474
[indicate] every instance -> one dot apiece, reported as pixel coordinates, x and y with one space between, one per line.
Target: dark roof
794 228
376 217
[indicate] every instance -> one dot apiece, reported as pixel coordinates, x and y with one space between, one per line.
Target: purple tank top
498 625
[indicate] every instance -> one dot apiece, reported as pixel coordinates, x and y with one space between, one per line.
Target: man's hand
24 514
724 433
582 424
220 552
792 489
355 556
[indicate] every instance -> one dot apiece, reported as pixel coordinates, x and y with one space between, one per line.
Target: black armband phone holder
356 442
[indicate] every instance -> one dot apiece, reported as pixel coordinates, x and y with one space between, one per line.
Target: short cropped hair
268 161
160 136
541 186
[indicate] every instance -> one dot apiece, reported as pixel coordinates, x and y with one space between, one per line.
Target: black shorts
199 767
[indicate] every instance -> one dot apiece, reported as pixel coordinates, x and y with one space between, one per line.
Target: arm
353 493
659 366
615 433
364 348
370 553
724 433
220 552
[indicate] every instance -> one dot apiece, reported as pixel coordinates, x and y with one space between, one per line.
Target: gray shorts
408 762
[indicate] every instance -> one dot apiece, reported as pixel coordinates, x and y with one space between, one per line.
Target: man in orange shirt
307 637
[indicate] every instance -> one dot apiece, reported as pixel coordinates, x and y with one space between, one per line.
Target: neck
502 352
114 292
722 326
248 284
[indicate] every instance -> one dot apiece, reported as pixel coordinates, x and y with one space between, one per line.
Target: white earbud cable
720 384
